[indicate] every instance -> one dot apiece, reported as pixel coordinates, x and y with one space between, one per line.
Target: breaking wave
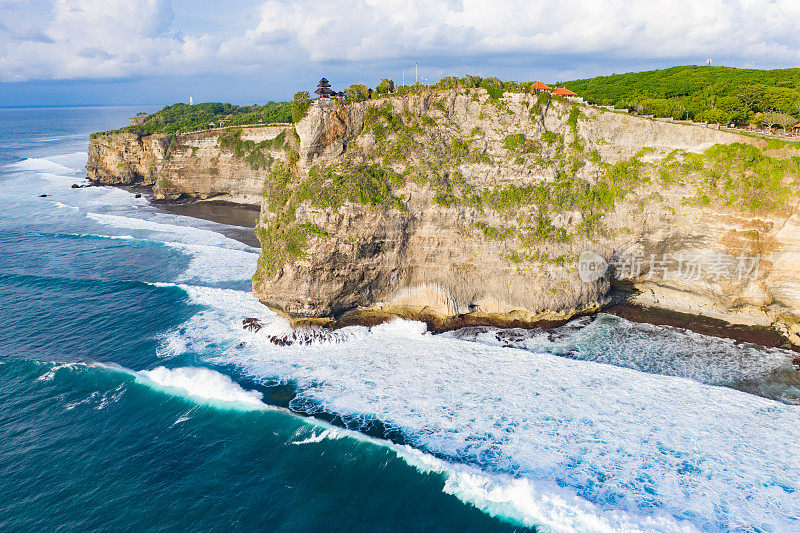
202 383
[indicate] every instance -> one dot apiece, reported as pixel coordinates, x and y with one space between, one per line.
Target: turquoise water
131 398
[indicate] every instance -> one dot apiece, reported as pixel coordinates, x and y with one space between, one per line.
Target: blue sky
156 52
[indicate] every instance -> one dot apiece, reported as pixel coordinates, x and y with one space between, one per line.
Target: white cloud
63 39
94 39
370 29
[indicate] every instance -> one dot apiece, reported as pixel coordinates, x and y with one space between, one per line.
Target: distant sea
132 399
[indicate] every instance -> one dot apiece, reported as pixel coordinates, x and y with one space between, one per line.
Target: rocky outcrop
459 209
193 166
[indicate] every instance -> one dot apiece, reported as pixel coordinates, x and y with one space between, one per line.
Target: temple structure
324 89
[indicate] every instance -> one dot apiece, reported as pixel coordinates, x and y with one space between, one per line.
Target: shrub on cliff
494 87
357 92
300 105
386 86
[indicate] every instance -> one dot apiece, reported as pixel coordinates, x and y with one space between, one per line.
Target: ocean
131 397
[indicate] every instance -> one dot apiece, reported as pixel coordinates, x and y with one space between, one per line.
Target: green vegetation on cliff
256 154
740 175
706 94
180 118
285 189
300 106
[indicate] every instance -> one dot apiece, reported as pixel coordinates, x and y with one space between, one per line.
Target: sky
157 52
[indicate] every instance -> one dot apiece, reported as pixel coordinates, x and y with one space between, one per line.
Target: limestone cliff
458 208
225 164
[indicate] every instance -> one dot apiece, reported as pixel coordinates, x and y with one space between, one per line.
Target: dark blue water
86 446
131 397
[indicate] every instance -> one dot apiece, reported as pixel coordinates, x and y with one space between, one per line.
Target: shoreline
760 335
740 334
241 219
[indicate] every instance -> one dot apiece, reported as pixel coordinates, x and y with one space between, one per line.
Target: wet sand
242 217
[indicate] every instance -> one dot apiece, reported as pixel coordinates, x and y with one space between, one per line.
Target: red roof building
539 86
561 91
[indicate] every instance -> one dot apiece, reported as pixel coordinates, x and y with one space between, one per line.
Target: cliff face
457 208
228 164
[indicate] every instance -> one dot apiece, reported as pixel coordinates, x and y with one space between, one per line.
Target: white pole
416 72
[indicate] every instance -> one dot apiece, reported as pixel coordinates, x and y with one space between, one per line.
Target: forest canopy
701 93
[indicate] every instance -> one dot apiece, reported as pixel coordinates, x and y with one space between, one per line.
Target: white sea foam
55 367
100 236
202 383
325 434
657 349
220 322
180 420
213 264
98 400
609 445
181 233
111 200
43 166
73 160
65 206
218 259
548 507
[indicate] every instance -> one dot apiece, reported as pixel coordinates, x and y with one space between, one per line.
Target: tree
714 116
300 106
358 92
471 81
753 97
733 105
780 99
781 120
448 82
386 86
493 86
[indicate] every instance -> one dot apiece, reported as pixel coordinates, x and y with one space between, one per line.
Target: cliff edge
225 164
458 208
